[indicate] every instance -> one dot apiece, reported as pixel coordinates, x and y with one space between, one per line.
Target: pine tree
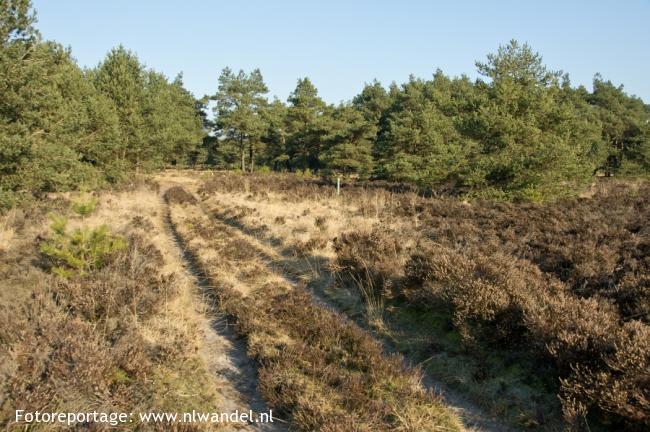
419 140
17 19
174 126
121 77
306 126
536 142
53 123
275 137
625 127
349 143
373 101
239 111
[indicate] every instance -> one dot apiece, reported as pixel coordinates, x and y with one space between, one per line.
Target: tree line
519 132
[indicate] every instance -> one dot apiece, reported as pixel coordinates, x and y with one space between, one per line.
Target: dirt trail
474 418
223 352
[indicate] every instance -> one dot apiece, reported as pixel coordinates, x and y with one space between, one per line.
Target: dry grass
317 368
123 338
513 304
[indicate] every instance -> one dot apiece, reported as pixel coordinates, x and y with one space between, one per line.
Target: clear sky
340 45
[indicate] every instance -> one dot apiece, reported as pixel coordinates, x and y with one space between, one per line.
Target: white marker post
338 186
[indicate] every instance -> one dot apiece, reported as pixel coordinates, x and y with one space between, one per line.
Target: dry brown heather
316 369
512 304
127 337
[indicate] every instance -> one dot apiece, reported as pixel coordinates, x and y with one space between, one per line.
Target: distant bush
8 199
321 223
178 195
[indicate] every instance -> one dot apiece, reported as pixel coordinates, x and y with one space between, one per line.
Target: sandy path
224 354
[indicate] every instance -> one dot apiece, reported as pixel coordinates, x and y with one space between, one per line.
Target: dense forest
520 132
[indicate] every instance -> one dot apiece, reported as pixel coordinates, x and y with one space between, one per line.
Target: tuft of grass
373 298
321 223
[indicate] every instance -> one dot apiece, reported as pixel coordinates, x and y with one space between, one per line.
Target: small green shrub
82 250
205 175
84 207
306 173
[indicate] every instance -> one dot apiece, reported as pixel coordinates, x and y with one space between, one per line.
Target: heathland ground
375 309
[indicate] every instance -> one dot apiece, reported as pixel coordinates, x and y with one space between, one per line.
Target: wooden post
338 186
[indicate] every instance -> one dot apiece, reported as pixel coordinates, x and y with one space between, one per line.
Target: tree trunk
251 154
242 152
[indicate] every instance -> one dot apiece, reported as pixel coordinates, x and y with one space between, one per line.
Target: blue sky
340 45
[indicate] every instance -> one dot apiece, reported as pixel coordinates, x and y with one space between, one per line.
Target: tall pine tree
306 125
240 105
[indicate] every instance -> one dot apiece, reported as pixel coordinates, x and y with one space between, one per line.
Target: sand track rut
222 350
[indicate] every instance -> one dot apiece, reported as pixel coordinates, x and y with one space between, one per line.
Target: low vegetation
83 250
510 303
537 313
492 234
91 317
319 370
